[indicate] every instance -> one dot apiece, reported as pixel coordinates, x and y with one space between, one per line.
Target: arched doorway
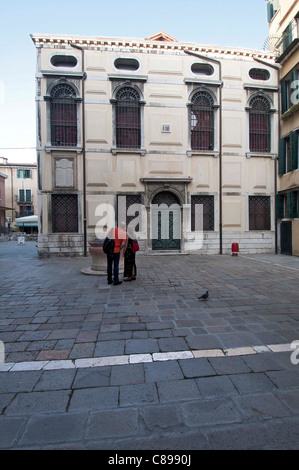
165 221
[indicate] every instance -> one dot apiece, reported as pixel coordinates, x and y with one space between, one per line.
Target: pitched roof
160 36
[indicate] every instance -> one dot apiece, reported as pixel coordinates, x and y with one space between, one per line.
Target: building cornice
90 42
18 165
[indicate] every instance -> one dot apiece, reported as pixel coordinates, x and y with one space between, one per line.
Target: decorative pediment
178 186
161 36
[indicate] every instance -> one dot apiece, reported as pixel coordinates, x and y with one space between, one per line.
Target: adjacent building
3 208
20 193
182 135
283 16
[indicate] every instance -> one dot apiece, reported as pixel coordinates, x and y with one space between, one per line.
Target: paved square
146 364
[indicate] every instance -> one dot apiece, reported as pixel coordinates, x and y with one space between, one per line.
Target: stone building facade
20 191
180 134
284 43
3 208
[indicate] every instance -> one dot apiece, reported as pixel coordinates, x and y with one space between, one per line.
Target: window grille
259 74
64 61
208 211
64 213
259 213
259 125
63 116
202 69
128 125
123 210
202 121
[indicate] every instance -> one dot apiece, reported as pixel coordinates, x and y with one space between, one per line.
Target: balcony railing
288 40
24 199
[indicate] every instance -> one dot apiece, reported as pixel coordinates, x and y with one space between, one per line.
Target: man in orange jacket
120 241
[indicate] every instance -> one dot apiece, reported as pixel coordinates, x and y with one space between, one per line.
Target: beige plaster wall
166 94
296 237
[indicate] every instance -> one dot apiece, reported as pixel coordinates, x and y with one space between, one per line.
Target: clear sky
239 23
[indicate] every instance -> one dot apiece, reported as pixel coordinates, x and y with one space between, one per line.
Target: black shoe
110 282
117 283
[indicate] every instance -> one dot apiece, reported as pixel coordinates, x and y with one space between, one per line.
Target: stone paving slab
54 311
145 365
107 411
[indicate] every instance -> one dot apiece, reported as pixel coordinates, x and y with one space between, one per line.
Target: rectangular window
129 210
24 173
21 195
287 154
289 88
25 211
128 126
288 157
280 206
64 213
293 160
259 132
25 195
259 213
287 37
28 195
207 211
63 123
291 205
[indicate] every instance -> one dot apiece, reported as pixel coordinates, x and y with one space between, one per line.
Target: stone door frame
153 186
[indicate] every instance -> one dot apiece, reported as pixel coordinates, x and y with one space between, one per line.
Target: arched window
259 125
128 125
63 116
202 121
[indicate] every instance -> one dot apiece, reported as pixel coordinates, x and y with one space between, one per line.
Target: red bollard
235 249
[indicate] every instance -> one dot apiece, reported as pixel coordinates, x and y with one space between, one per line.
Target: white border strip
139 358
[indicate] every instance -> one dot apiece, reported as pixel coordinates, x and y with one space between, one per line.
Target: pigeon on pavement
204 296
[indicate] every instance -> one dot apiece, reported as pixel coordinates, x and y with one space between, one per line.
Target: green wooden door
166 222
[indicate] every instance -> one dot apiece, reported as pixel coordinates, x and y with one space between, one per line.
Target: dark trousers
113 262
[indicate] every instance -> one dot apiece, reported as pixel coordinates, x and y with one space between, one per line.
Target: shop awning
3 208
29 221
26 224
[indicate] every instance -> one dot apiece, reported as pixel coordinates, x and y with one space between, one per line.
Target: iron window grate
128 125
63 116
259 213
130 210
259 125
202 121
207 203
64 213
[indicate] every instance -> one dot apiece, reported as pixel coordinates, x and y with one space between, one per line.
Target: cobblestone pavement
146 365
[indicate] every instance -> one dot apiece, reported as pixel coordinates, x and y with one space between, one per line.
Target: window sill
203 153
261 155
290 112
140 151
288 52
52 148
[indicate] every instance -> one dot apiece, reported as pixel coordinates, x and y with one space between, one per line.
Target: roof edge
48 40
